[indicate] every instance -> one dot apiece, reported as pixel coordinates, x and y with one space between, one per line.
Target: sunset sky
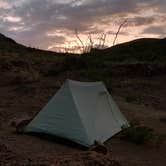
51 24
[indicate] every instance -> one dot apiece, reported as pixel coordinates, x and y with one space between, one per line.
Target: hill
10 47
30 77
140 50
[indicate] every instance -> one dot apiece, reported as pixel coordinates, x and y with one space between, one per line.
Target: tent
83 112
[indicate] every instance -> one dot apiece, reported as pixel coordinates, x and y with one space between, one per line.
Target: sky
53 24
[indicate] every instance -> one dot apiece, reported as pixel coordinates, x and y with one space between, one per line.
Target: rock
99 148
20 123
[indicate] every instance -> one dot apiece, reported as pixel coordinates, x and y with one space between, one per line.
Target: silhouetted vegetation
140 134
137 134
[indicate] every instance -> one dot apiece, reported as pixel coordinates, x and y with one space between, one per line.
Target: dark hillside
140 50
10 47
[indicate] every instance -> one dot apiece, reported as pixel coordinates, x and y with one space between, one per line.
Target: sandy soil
18 101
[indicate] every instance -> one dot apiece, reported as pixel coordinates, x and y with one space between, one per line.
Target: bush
74 63
163 119
130 99
54 70
25 89
158 140
137 134
26 76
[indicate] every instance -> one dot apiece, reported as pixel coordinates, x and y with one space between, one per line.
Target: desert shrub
25 89
96 74
26 76
74 63
137 134
52 72
130 99
5 64
54 69
163 120
158 140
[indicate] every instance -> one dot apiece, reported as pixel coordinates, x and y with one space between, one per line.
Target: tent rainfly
82 112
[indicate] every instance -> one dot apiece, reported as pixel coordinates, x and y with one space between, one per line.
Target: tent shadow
58 140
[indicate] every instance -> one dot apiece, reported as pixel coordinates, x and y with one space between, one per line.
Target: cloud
30 21
11 19
157 30
4 5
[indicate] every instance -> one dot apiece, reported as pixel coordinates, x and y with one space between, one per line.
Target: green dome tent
81 112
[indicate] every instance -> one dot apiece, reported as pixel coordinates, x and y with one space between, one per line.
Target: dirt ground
23 100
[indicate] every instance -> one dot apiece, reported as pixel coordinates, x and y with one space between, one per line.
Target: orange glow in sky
51 25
